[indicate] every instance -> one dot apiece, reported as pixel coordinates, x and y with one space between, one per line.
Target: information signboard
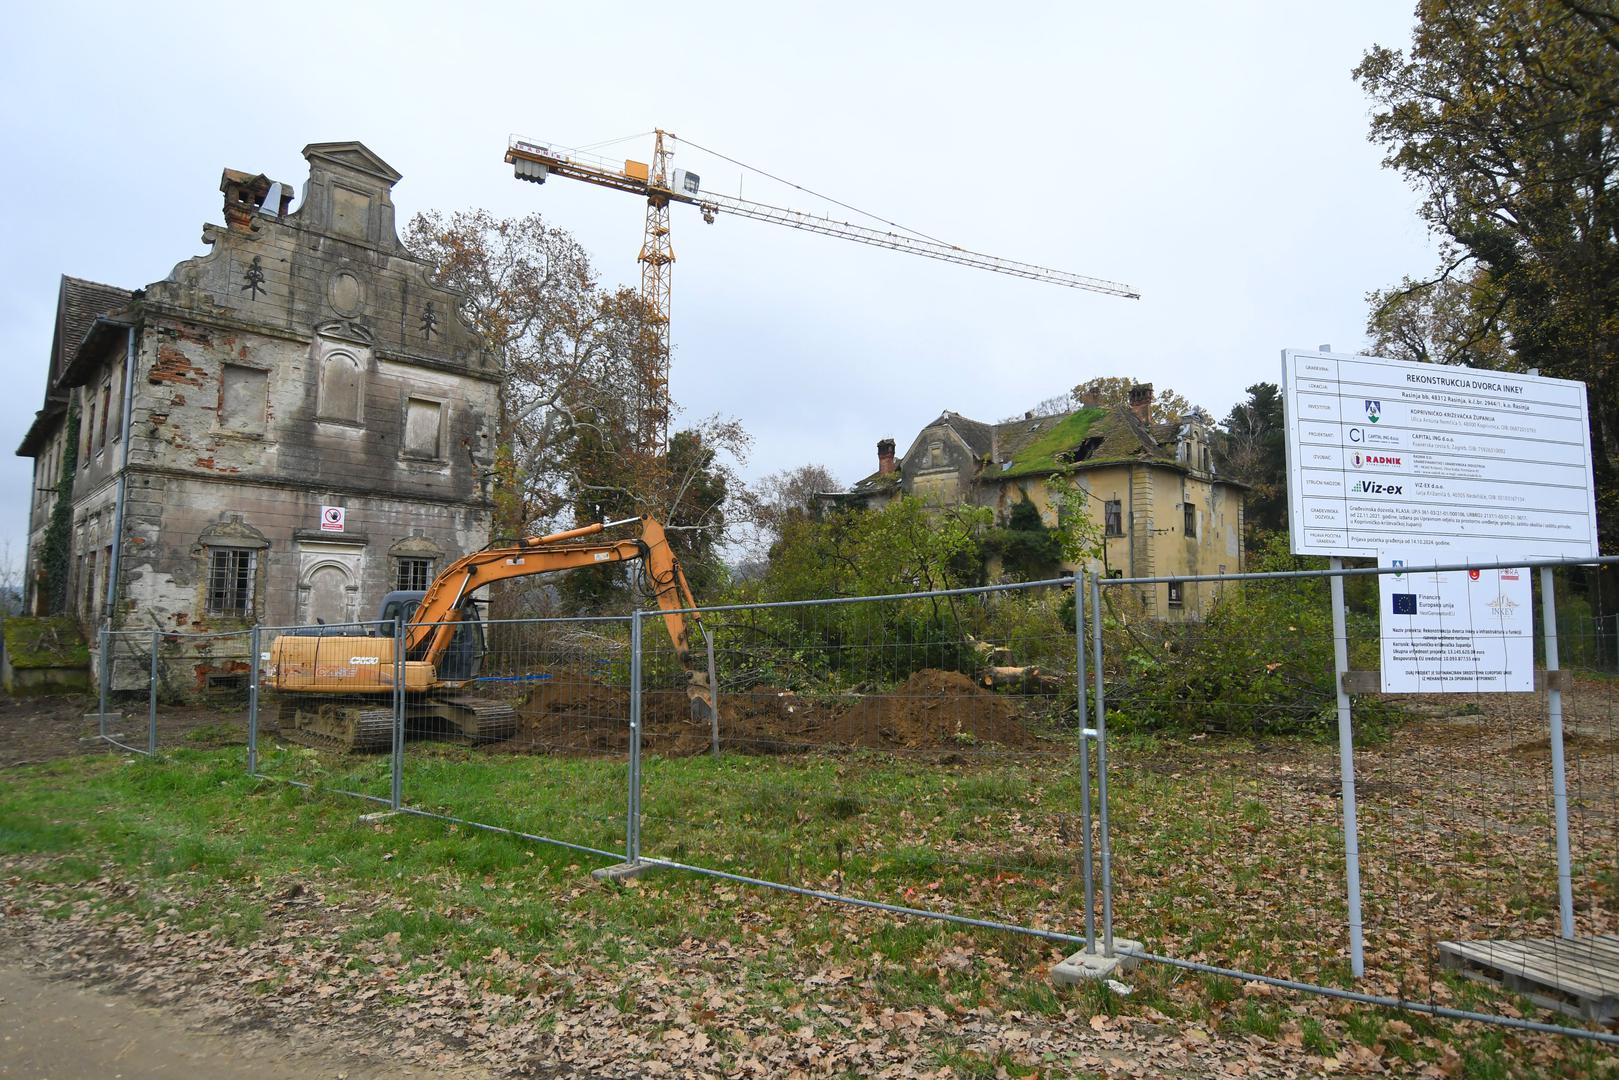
1387 454
1456 630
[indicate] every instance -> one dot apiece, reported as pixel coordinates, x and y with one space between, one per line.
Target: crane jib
528 158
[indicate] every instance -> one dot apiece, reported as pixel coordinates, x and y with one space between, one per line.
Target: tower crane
535 161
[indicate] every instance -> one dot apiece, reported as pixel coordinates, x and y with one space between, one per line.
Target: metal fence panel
914 751
535 738
1457 823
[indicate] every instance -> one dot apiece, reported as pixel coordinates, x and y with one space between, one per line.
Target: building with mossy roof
1154 490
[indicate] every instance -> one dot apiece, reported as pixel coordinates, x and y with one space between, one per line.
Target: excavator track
480 719
341 728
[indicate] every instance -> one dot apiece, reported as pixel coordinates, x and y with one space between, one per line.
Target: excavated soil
932 711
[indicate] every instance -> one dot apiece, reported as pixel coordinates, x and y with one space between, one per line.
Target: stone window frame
230 534
411 569
439 450
1189 519
322 414
219 427
88 422
225 563
416 546
106 411
117 404
1175 594
87 575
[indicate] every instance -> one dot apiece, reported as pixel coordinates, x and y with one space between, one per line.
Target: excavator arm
432 627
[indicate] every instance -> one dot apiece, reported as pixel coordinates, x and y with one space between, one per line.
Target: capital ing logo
1374 410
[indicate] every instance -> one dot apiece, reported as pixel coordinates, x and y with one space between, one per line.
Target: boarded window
340 388
1174 594
1113 518
351 212
423 420
230 582
414 574
242 396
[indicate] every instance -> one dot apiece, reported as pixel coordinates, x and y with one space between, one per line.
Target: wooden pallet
1578 977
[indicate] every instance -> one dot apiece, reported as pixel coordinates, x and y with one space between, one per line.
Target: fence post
713 693
396 787
1085 731
253 702
1101 770
106 678
151 701
1346 770
1554 707
632 824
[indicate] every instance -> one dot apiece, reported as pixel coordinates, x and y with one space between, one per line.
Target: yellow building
1153 490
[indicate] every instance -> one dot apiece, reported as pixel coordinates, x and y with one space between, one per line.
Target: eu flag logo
1405 603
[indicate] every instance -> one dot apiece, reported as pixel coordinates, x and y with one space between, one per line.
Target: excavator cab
463 659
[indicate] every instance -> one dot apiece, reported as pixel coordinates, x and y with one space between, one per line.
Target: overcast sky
1213 156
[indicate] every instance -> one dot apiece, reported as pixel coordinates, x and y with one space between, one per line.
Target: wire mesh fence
931 753
528 730
894 750
1452 794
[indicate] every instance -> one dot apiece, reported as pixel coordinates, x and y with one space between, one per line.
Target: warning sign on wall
331 519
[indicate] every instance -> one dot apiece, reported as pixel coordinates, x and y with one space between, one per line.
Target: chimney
885 457
245 196
1141 402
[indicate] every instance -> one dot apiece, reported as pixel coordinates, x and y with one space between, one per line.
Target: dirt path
56 1030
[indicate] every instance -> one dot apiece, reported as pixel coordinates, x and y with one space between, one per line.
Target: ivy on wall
56 551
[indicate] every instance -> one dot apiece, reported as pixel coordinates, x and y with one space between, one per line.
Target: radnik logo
1375 459
1374 409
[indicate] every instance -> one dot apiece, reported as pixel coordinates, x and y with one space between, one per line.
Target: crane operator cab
463 660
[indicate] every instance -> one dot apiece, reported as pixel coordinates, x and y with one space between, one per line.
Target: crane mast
657 261
534 162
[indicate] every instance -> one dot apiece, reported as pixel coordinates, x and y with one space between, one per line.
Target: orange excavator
325 678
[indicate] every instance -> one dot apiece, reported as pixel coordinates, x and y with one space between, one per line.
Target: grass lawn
1215 860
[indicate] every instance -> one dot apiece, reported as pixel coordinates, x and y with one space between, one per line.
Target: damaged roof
1089 436
79 303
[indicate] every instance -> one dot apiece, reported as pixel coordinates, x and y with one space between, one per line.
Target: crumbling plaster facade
306 361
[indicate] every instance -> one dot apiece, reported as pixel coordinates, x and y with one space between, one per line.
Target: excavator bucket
700 696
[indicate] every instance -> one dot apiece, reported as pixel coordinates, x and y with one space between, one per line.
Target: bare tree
575 360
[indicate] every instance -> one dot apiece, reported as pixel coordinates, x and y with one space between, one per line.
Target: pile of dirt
934 710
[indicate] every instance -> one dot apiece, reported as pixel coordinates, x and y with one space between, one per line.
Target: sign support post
1346 771
1554 708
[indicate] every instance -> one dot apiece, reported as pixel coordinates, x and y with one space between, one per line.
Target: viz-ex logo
1372 487
1362 460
